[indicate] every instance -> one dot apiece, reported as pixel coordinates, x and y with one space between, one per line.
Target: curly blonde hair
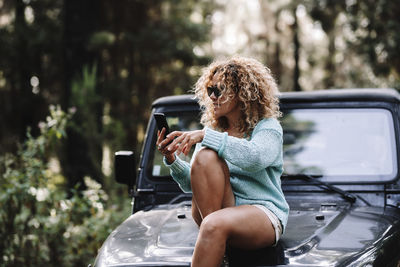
250 81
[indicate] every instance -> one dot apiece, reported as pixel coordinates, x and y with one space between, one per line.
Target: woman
235 171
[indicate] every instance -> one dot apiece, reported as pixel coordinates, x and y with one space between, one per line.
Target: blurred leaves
101 39
38 224
81 153
141 50
376 26
108 65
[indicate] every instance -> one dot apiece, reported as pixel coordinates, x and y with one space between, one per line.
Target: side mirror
125 169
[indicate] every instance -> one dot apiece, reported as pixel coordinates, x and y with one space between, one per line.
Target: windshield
342 145
338 143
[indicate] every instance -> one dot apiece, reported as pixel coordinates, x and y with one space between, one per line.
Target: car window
185 121
343 145
340 144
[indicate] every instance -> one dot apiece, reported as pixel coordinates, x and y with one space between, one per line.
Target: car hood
165 235
316 234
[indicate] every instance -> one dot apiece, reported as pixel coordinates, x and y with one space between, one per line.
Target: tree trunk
330 63
83 153
296 42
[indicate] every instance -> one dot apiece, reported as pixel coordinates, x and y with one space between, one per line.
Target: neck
234 124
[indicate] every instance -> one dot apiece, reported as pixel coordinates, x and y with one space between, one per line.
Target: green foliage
101 39
82 154
152 56
83 90
85 99
370 29
142 50
38 224
376 27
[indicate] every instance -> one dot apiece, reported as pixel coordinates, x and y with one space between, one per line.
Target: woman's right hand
166 150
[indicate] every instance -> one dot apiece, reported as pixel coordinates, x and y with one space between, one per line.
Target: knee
205 158
214 227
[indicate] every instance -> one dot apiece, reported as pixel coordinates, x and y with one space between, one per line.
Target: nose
213 97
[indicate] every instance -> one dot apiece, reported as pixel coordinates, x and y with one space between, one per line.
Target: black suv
341 180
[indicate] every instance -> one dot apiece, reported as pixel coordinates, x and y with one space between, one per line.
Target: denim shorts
274 220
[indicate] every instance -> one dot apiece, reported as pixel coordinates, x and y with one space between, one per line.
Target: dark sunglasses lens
213 89
209 91
217 92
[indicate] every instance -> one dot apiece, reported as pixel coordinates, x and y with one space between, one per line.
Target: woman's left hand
185 140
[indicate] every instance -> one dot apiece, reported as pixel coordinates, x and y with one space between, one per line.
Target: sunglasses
214 89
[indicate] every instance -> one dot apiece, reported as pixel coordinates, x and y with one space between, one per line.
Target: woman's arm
179 169
180 172
261 151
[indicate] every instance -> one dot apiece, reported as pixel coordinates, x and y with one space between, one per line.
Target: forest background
77 79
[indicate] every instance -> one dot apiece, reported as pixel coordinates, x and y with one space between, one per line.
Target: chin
218 115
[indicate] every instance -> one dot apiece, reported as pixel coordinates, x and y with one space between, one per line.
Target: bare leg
220 221
212 191
196 213
243 226
210 182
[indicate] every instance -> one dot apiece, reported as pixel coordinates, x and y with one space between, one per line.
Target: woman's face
222 108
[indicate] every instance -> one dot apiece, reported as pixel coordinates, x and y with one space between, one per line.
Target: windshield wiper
312 178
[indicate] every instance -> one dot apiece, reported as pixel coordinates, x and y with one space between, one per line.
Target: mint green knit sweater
255 166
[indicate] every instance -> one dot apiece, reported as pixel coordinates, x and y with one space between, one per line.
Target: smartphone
161 122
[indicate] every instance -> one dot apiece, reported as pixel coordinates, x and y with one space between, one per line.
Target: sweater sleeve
261 151
180 172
